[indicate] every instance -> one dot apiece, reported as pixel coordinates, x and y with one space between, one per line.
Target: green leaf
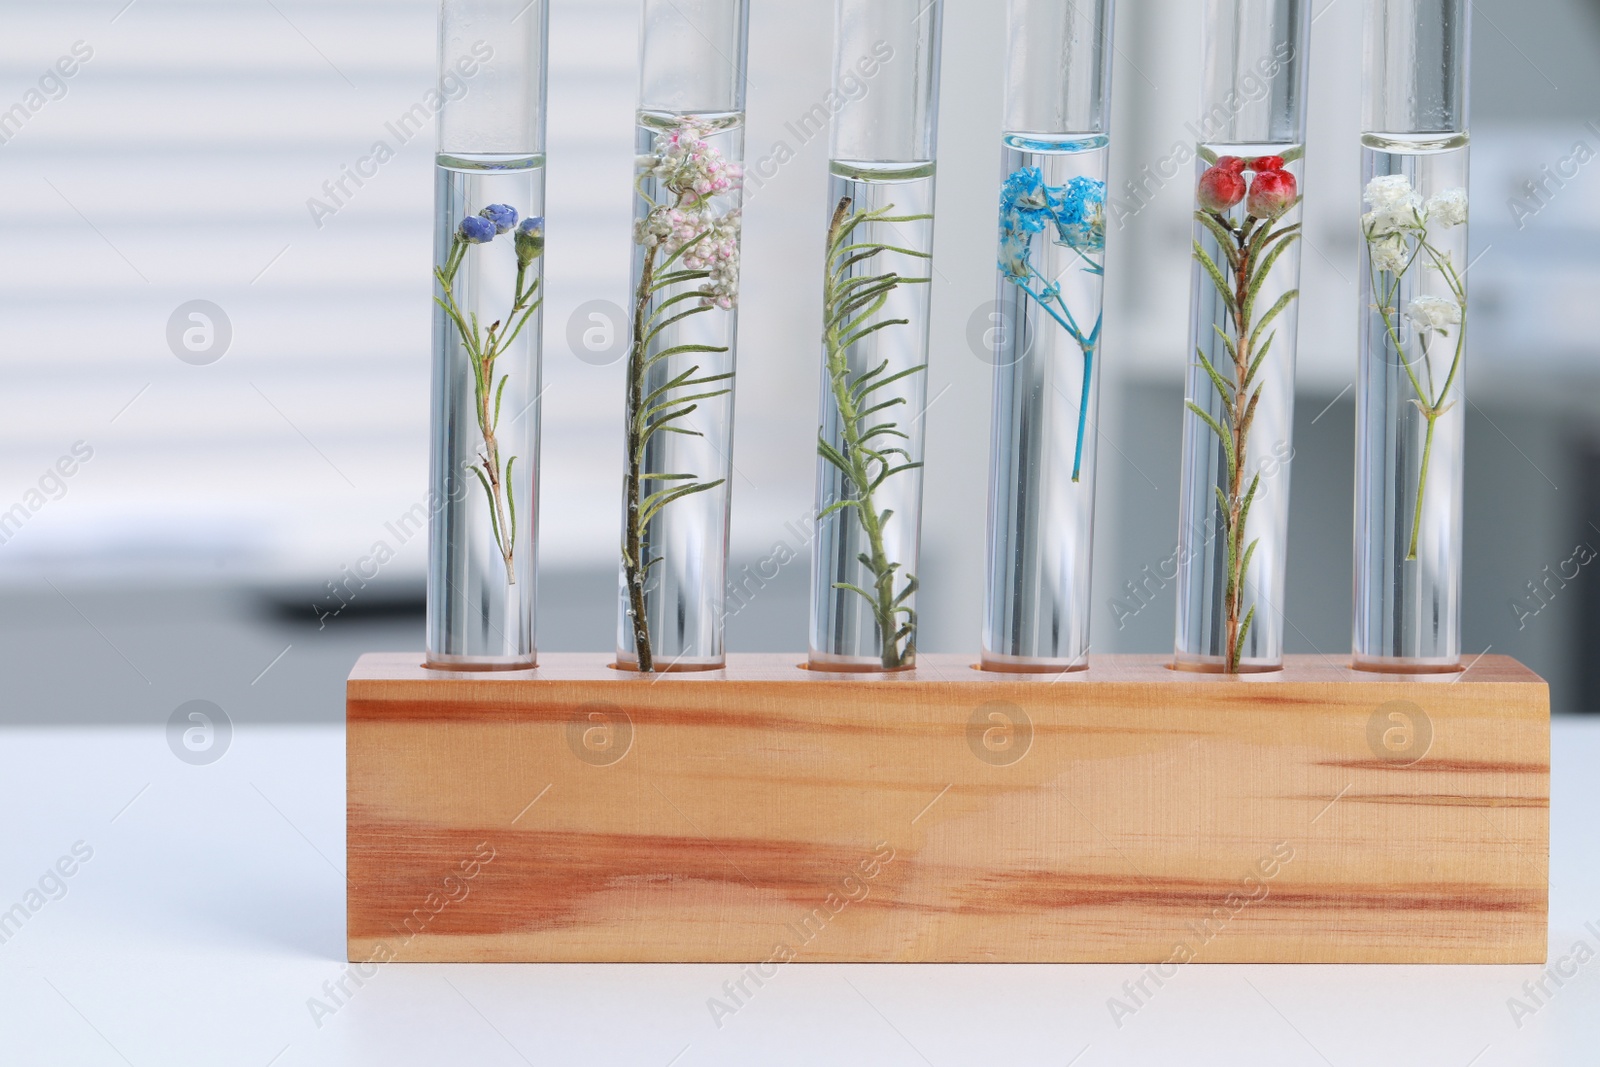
1223 386
1293 154
1208 155
896 249
891 472
1244 508
1223 236
1250 408
677 298
675 401
660 499
683 248
843 324
1216 428
511 505
837 505
499 393
682 379
856 310
836 277
891 379
859 335
886 429
857 287
1244 629
835 457
678 350
1272 313
868 597
867 375
874 409
655 330
521 322
1266 235
1263 270
1261 355
1217 279
494 519
677 277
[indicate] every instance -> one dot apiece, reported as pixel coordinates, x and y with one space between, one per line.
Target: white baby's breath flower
1389 223
1389 253
1433 313
1448 208
1394 206
1391 191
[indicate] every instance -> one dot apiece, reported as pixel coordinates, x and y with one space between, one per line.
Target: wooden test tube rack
1128 812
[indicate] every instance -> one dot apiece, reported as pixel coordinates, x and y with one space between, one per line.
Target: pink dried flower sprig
688 165
695 173
689 236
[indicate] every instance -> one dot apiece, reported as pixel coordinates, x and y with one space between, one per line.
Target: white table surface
212 910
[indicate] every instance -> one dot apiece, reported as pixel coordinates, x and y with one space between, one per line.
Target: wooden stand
1124 813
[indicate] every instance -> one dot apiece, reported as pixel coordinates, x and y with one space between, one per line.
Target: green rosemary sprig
483 349
659 411
1250 250
867 454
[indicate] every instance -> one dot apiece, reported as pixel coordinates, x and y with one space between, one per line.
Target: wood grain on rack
1123 813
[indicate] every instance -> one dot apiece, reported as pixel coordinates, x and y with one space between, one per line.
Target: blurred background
214 502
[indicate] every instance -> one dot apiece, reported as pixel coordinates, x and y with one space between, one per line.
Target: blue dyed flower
529 240
1025 210
1080 216
504 216
475 230
1028 206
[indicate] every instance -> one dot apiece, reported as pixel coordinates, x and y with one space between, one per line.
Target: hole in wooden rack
863 671
1209 668
671 668
1034 671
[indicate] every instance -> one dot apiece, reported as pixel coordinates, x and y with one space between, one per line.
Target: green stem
482 358
857 457
1239 425
1247 254
1422 482
1431 406
634 564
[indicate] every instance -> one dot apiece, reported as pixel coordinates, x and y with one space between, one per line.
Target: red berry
1271 193
1222 185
